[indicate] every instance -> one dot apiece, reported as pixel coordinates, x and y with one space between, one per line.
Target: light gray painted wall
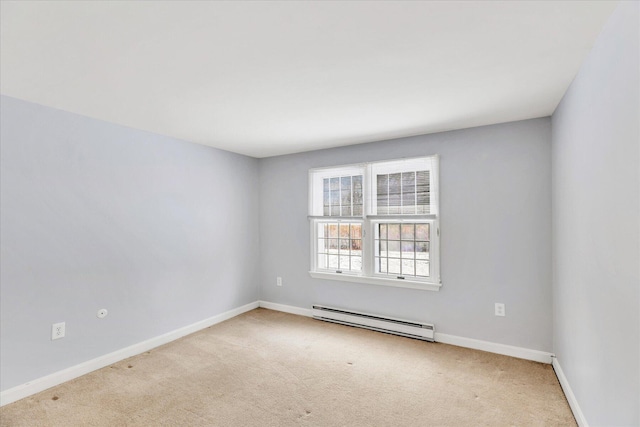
161 232
596 215
495 195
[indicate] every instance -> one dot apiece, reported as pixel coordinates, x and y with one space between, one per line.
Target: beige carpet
266 368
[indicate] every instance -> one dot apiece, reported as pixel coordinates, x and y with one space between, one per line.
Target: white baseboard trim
286 308
571 398
40 384
491 347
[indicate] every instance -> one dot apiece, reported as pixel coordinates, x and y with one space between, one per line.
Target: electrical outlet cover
58 331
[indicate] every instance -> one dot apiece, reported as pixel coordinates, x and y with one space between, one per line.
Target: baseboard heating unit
405 328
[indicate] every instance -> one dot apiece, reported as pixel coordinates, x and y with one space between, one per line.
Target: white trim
492 347
286 308
371 280
571 398
40 384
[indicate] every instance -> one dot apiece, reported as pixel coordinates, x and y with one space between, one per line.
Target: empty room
320 213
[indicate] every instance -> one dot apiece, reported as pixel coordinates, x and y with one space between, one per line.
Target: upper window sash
410 188
403 187
337 191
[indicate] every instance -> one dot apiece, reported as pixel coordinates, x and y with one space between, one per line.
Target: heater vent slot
422 331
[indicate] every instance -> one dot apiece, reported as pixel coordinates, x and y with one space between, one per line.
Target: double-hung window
376 223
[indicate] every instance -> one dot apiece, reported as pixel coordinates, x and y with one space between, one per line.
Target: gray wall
161 232
495 196
596 215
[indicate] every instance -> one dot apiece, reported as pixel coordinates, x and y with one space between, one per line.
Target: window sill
396 283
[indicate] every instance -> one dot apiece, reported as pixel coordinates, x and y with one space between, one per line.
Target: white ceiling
268 78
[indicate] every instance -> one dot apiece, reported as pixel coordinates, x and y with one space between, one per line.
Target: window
376 223
402 249
342 196
340 246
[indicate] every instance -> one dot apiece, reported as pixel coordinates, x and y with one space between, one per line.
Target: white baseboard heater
405 328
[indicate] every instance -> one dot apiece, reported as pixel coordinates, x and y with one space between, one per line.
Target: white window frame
369 221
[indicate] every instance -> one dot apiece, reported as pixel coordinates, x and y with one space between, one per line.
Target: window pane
382 248
345 192
395 193
344 263
394 231
356 263
344 245
357 195
333 245
422 268
356 231
394 266
394 248
408 267
382 265
422 250
407 250
382 185
333 262
333 230
422 231
356 247
335 184
323 245
407 231
335 196
344 231
408 192
335 203
326 208
345 184
423 192
382 231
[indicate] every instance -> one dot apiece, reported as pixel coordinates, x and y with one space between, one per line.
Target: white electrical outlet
500 309
57 331
279 281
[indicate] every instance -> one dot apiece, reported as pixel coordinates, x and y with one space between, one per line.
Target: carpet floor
267 368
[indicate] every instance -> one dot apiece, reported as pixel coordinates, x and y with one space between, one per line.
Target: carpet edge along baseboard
40 384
